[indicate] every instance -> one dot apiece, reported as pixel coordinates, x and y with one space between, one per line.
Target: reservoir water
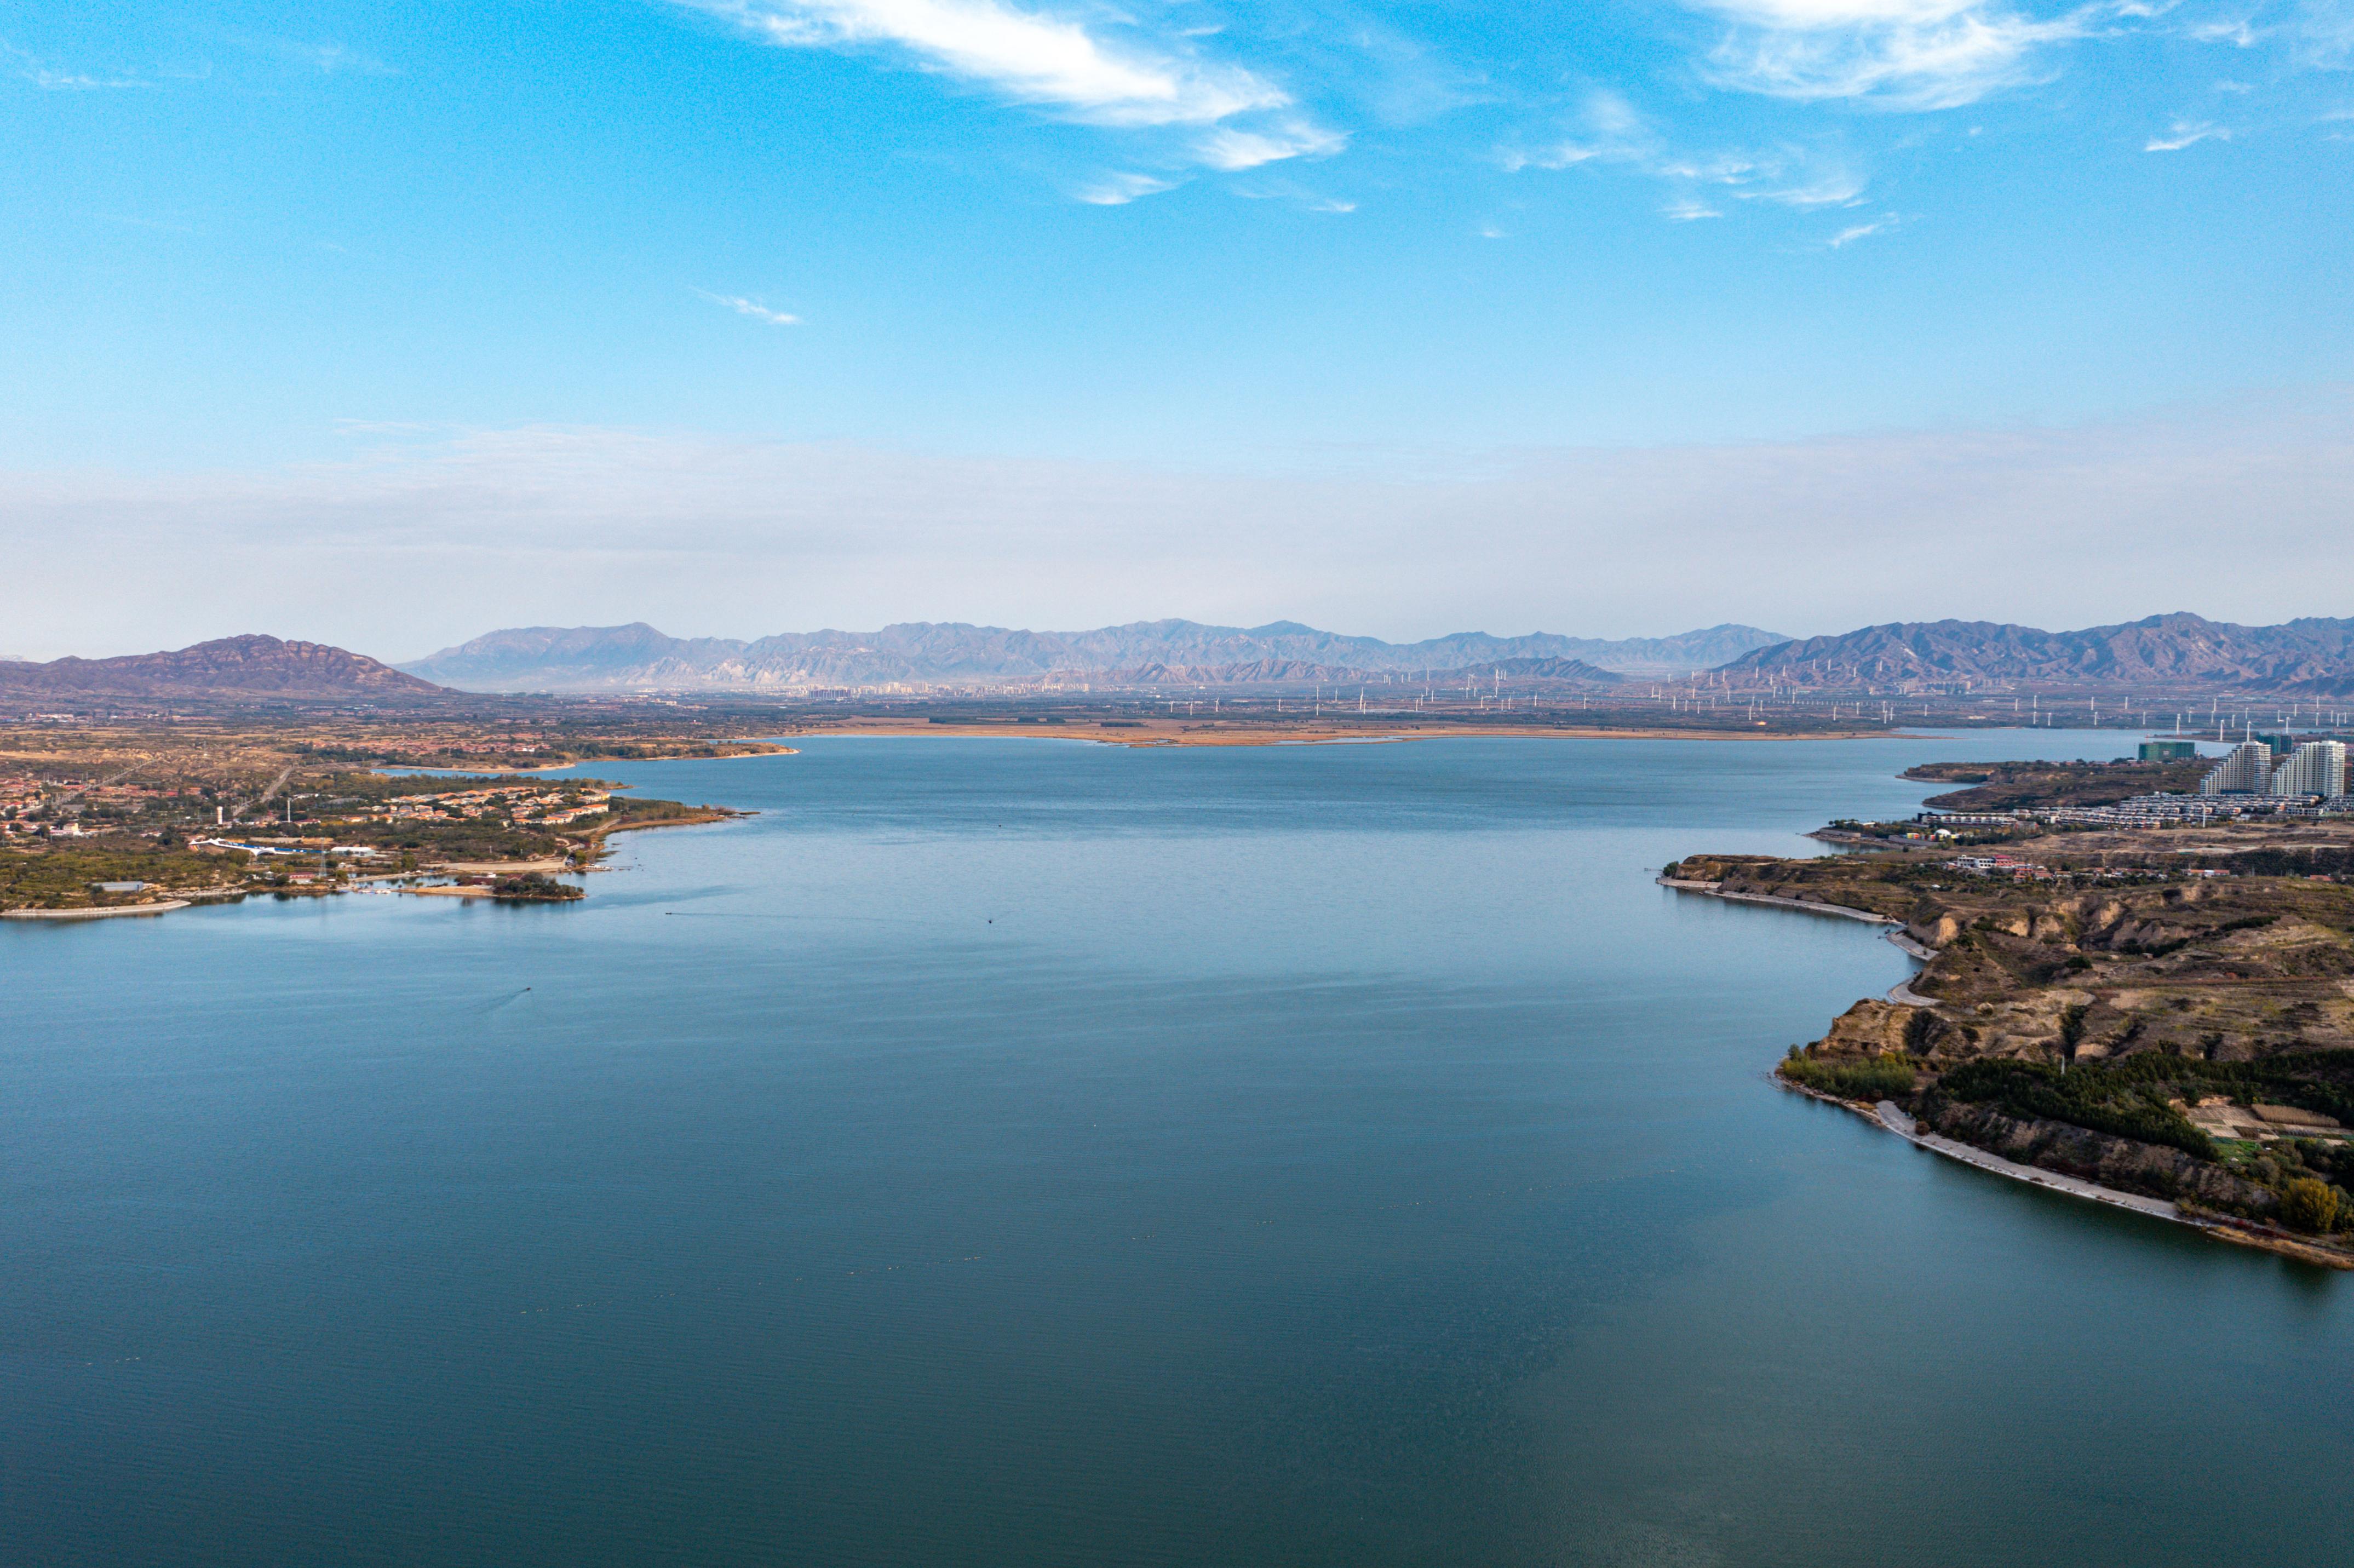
1024 1153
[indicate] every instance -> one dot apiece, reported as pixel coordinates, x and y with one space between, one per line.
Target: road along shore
108 914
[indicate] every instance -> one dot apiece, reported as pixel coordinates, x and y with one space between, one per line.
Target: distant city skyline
1407 320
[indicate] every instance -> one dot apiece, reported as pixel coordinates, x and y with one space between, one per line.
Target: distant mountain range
2312 656
265 667
639 658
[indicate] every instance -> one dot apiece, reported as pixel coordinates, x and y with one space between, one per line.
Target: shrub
2308 1205
1874 1078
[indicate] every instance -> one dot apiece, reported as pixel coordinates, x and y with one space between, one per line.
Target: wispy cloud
1687 209
331 57
1613 133
1230 149
1098 67
50 77
752 308
1913 55
1119 189
2187 133
1837 188
1848 236
1279 189
327 59
1028 55
2324 31
2235 31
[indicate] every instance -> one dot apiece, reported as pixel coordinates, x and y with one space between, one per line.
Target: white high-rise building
2245 771
2317 768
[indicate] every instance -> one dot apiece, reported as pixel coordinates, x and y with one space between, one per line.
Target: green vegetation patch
61 878
2011 786
2129 1097
1875 1078
534 888
2125 1099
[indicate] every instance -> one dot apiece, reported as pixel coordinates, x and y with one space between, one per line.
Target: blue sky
974 309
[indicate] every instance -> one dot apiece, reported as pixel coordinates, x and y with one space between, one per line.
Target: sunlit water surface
1027 1152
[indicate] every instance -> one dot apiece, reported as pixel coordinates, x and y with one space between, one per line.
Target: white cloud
1028 55
2187 133
74 81
1848 236
1560 155
1101 71
1233 150
2236 32
1280 189
1687 209
51 79
1839 188
1119 189
1614 134
334 58
753 308
1898 54
2324 33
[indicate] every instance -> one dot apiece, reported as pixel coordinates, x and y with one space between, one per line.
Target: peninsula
2161 1009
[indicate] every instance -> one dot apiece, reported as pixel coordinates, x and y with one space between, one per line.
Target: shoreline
1886 1116
701 817
1845 912
1889 1118
112 912
1901 992
1151 739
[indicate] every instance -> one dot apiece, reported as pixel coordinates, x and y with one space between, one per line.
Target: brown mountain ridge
253 666
2312 656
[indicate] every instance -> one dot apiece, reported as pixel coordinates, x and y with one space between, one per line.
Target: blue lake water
1027 1152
